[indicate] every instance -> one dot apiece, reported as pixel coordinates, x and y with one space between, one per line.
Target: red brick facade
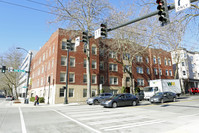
48 62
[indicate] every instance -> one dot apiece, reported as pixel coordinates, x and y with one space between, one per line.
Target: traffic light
3 69
103 30
163 11
68 44
85 37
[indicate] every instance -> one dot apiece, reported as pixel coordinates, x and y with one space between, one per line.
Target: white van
162 85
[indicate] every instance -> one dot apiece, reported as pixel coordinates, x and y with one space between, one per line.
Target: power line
27 7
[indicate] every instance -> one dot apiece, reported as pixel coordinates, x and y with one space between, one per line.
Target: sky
30 29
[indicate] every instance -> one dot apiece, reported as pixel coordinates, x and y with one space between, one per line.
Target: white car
9 98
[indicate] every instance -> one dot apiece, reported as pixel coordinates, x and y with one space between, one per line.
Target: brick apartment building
50 61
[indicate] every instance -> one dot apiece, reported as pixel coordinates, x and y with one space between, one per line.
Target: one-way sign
182 4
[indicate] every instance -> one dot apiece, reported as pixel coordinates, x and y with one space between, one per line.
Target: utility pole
48 88
68 47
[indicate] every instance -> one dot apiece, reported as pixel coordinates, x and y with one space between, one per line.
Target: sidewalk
20 103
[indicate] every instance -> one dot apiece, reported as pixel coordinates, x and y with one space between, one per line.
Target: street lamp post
30 58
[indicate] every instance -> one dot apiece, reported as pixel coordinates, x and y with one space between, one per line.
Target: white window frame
73 77
139 70
62 76
113 80
72 62
94 64
94 79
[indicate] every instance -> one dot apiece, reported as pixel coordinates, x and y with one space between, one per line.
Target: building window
71 77
94 50
167 73
93 93
71 92
101 65
85 63
63 61
183 64
148 70
64 44
72 48
127 79
113 67
94 65
43 56
62 77
160 71
94 79
101 52
42 69
113 80
169 62
140 82
101 79
126 56
147 60
159 60
184 73
154 60
61 92
85 78
72 62
127 68
165 61
84 92
139 58
170 73
41 81
139 70
53 48
112 55
155 71
52 63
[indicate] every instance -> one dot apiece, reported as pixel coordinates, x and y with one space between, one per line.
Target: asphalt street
173 117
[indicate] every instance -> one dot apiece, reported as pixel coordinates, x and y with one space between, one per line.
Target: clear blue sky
22 27
27 28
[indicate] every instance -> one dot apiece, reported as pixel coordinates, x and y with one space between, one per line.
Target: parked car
9 98
97 99
140 95
162 97
193 90
120 100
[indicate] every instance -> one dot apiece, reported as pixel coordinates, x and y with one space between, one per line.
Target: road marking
23 126
188 115
130 125
76 121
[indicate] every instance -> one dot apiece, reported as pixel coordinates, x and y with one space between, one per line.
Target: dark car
162 97
140 95
120 100
97 99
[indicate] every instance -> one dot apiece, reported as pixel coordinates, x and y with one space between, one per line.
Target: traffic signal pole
170 7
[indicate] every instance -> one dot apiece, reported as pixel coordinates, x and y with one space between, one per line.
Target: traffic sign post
182 4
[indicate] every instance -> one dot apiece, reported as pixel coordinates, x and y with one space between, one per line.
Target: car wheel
162 101
95 102
134 103
114 105
174 99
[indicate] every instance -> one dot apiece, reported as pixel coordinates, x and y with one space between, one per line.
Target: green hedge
41 99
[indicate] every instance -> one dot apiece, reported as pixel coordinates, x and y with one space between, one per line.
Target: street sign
182 4
15 70
10 69
98 33
77 41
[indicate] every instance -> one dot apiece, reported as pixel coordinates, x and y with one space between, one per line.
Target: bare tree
9 80
81 15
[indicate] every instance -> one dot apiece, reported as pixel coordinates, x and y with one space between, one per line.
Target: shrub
32 99
41 99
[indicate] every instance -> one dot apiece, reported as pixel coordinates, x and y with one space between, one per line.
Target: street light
30 53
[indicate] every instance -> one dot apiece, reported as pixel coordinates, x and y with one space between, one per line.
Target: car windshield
148 89
158 94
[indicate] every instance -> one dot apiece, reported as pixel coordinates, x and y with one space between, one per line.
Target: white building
187 64
21 89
